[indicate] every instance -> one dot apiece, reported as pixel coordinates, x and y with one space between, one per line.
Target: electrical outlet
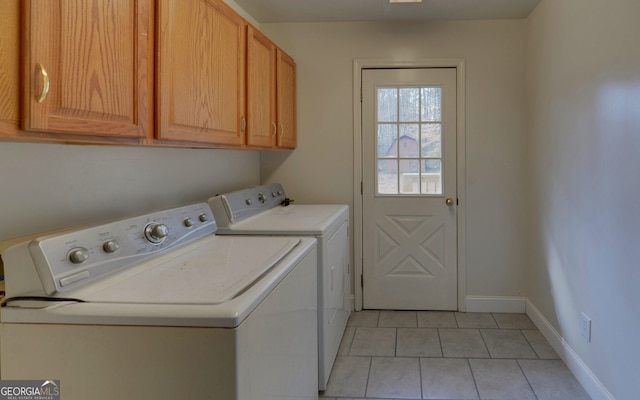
585 326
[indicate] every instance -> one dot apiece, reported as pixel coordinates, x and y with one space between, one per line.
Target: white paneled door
409 189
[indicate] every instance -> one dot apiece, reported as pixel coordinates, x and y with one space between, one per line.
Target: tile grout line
420 376
395 350
530 344
485 343
525 377
440 341
494 320
366 386
475 384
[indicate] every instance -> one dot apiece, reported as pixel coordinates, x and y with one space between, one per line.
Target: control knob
188 222
261 197
78 255
110 246
155 233
203 217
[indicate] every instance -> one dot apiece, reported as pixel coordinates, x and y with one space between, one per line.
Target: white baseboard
580 370
501 304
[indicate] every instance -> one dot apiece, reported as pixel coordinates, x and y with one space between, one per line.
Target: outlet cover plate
585 326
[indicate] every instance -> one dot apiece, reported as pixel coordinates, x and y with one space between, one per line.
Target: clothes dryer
265 210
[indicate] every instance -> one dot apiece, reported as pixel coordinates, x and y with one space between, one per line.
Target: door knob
449 201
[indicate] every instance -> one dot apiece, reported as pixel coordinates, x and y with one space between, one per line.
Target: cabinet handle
45 81
281 130
275 128
244 124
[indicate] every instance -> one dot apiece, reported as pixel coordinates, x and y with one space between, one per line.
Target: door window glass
409 140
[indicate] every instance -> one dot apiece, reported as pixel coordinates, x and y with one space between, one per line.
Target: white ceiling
265 11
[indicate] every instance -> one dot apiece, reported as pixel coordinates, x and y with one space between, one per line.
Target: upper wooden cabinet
286 104
201 72
9 67
261 90
152 72
87 67
271 97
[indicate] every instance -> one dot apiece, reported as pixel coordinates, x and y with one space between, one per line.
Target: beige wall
583 79
50 186
321 169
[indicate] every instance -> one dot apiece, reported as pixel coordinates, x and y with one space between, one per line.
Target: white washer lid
296 219
214 271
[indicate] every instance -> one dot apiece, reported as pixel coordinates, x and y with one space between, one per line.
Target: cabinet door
286 101
261 90
95 57
9 67
201 71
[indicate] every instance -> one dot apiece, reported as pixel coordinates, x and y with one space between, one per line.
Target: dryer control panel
236 206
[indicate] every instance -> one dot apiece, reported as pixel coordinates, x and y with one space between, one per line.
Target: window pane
409 139
410 176
431 140
410 104
431 177
432 104
387 140
387 176
388 105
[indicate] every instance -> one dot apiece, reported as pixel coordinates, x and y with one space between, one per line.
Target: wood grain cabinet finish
271 94
9 67
97 58
91 72
286 104
201 72
261 90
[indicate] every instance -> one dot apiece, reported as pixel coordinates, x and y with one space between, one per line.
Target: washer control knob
155 233
274 194
188 222
110 246
248 201
78 255
203 217
280 192
261 197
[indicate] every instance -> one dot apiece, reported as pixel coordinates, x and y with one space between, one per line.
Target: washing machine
266 210
160 307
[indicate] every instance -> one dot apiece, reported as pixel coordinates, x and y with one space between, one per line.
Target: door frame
358 66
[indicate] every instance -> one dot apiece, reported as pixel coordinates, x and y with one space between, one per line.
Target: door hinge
362 280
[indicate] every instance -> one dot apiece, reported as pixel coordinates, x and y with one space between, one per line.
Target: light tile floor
445 355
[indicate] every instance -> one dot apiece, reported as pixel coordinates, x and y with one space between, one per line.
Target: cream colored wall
583 80
50 186
320 170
